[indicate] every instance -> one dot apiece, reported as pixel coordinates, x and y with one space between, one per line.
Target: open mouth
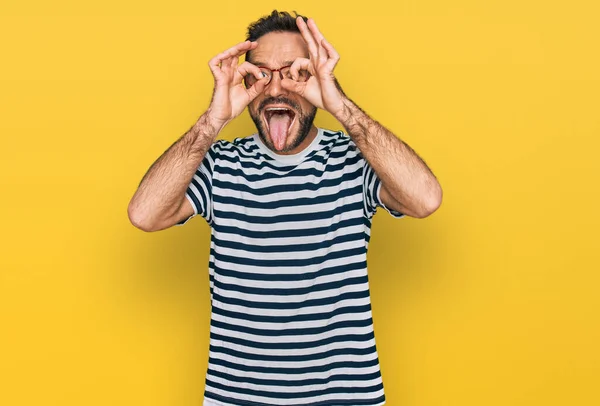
279 120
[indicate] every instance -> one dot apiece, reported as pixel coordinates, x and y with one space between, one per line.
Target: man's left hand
320 89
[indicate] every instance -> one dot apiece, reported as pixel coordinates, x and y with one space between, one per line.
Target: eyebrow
257 63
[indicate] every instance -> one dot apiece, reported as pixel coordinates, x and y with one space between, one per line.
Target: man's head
283 119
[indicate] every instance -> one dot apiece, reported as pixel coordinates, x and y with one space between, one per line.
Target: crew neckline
293 158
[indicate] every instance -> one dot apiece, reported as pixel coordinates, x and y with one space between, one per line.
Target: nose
274 88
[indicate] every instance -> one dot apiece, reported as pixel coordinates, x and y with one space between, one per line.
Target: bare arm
408 185
160 200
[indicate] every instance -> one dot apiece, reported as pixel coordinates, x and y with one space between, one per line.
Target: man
290 210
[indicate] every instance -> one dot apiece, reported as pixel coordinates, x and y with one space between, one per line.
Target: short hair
277 21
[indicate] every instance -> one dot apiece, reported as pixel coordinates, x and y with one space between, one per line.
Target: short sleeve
371 193
199 191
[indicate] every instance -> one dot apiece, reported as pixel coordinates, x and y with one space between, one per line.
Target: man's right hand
230 96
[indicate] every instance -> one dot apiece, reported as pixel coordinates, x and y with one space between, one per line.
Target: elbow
431 203
138 219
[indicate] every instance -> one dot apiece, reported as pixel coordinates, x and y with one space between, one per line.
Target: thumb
257 88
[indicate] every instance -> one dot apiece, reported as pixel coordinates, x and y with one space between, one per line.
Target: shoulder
334 136
338 142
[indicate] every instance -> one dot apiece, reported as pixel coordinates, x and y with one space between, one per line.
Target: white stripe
291 225
293 339
301 284
360 397
284 299
299 255
294 325
285 195
337 345
296 364
294 180
310 239
291 270
298 388
306 209
293 312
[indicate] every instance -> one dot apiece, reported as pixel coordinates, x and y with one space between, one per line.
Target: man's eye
263 74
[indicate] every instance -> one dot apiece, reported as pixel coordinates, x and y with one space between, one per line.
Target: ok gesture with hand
321 89
230 96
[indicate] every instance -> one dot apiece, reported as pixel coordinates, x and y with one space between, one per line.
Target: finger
216 61
308 38
248 68
235 60
235 51
257 88
298 65
241 48
334 57
318 37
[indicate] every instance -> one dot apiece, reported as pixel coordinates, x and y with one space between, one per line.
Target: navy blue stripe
219 270
247 144
201 197
294 370
292 346
251 189
258 161
303 382
303 304
357 310
264 162
367 223
199 207
292 247
329 169
280 332
336 402
351 352
371 179
292 395
296 202
304 232
291 291
285 218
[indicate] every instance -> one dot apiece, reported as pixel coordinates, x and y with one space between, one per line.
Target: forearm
405 176
162 190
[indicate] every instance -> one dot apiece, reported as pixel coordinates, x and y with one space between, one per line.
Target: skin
408 185
275 50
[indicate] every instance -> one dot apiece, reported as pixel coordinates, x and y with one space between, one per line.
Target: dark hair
277 21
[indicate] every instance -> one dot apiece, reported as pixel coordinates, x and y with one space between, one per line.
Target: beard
305 122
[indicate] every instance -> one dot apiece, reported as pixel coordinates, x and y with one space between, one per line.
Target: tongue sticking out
279 123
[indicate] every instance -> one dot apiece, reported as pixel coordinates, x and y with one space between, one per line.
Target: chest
262 200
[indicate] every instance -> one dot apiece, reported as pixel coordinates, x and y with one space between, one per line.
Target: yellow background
493 300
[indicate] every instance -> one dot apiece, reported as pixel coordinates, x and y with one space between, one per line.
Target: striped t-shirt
291 319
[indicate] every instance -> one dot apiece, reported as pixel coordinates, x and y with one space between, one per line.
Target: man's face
283 119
